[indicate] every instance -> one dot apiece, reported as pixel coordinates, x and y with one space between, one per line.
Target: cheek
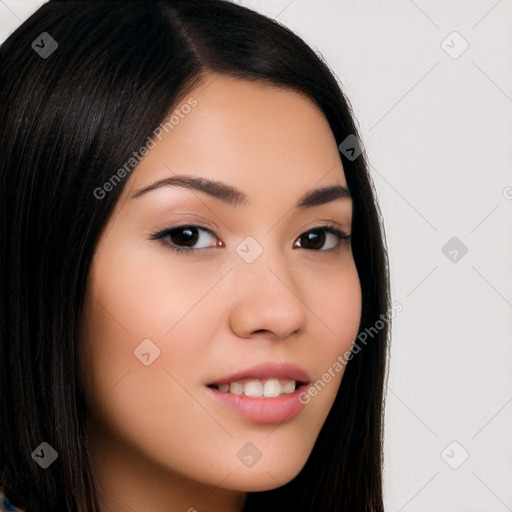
143 403
337 312
337 307
143 302
140 292
134 310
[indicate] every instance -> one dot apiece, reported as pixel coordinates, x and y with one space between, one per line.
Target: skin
160 442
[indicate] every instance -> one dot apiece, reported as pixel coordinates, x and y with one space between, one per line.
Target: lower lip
266 411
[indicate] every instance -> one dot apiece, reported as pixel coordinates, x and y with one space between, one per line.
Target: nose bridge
261 260
265 294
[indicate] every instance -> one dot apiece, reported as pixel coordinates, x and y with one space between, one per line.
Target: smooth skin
160 441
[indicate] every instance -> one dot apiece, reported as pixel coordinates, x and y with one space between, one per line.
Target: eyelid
331 227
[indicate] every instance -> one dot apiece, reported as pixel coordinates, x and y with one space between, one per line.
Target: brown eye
316 238
183 238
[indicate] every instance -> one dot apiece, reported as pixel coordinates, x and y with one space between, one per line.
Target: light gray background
438 134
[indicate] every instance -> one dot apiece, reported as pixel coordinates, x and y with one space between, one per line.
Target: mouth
268 393
266 380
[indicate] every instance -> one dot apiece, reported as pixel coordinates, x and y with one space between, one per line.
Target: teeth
270 388
289 387
236 388
253 388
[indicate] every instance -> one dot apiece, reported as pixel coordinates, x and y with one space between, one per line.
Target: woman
139 370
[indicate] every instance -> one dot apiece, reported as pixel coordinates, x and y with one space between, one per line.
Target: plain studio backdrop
430 83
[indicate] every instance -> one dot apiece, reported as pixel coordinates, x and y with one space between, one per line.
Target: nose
267 302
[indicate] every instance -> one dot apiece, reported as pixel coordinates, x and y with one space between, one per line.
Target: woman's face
266 288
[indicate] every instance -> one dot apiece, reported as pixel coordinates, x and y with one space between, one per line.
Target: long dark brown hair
68 122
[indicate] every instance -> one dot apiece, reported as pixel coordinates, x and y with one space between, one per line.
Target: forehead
259 137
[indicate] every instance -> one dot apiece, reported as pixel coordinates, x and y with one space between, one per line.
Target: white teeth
289 387
270 388
253 388
236 388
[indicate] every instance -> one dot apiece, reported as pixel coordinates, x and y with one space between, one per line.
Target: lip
267 371
264 410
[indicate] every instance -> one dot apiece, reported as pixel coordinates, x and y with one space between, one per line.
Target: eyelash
329 228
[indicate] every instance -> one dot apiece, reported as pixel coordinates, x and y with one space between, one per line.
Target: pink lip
268 371
264 410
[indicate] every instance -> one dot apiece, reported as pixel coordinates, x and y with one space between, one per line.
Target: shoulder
6 505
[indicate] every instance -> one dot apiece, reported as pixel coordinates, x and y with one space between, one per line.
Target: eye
316 237
183 238
186 236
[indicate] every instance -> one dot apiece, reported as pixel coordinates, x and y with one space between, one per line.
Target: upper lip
267 371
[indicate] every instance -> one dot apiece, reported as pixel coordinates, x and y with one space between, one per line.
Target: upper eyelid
212 231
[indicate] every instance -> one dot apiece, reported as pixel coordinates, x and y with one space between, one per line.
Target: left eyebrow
234 197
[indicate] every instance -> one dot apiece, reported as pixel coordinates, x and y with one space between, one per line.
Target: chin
264 479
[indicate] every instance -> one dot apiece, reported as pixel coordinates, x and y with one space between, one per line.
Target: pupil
183 240
319 238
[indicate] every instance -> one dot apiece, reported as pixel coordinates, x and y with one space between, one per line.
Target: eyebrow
234 197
